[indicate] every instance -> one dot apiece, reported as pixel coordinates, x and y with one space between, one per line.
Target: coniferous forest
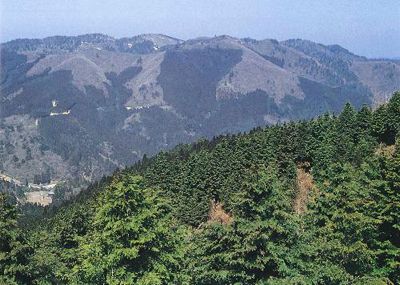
308 202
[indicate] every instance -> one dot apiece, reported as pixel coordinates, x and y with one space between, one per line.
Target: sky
366 27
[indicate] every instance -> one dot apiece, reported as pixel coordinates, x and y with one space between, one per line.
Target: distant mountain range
79 107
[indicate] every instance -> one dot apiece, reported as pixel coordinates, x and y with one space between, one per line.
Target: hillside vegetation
311 202
77 108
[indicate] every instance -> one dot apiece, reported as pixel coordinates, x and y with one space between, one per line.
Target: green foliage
132 240
14 251
256 246
152 223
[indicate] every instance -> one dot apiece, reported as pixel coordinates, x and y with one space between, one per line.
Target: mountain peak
316 49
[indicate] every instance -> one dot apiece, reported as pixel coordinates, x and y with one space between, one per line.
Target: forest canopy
308 202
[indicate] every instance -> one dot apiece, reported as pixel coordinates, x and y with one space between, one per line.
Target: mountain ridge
96 38
138 95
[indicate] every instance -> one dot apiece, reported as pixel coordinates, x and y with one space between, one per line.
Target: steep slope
380 76
311 202
99 103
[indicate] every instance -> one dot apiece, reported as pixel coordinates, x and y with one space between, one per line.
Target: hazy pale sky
365 27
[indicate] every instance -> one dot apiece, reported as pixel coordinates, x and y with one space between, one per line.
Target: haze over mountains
78 107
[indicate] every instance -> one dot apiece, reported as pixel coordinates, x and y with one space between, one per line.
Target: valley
77 108
41 194
308 202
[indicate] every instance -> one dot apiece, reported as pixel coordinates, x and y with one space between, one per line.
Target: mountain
309 202
76 108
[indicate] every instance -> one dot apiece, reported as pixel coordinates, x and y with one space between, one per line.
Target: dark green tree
133 240
346 133
14 252
255 248
389 210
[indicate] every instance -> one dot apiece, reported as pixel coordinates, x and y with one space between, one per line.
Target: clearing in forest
305 183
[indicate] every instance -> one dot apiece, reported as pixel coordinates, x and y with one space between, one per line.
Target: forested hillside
75 108
308 202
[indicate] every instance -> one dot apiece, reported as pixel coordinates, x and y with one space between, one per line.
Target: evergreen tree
132 241
365 143
14 252
389 210
393 116
256 247
387 120
346 129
